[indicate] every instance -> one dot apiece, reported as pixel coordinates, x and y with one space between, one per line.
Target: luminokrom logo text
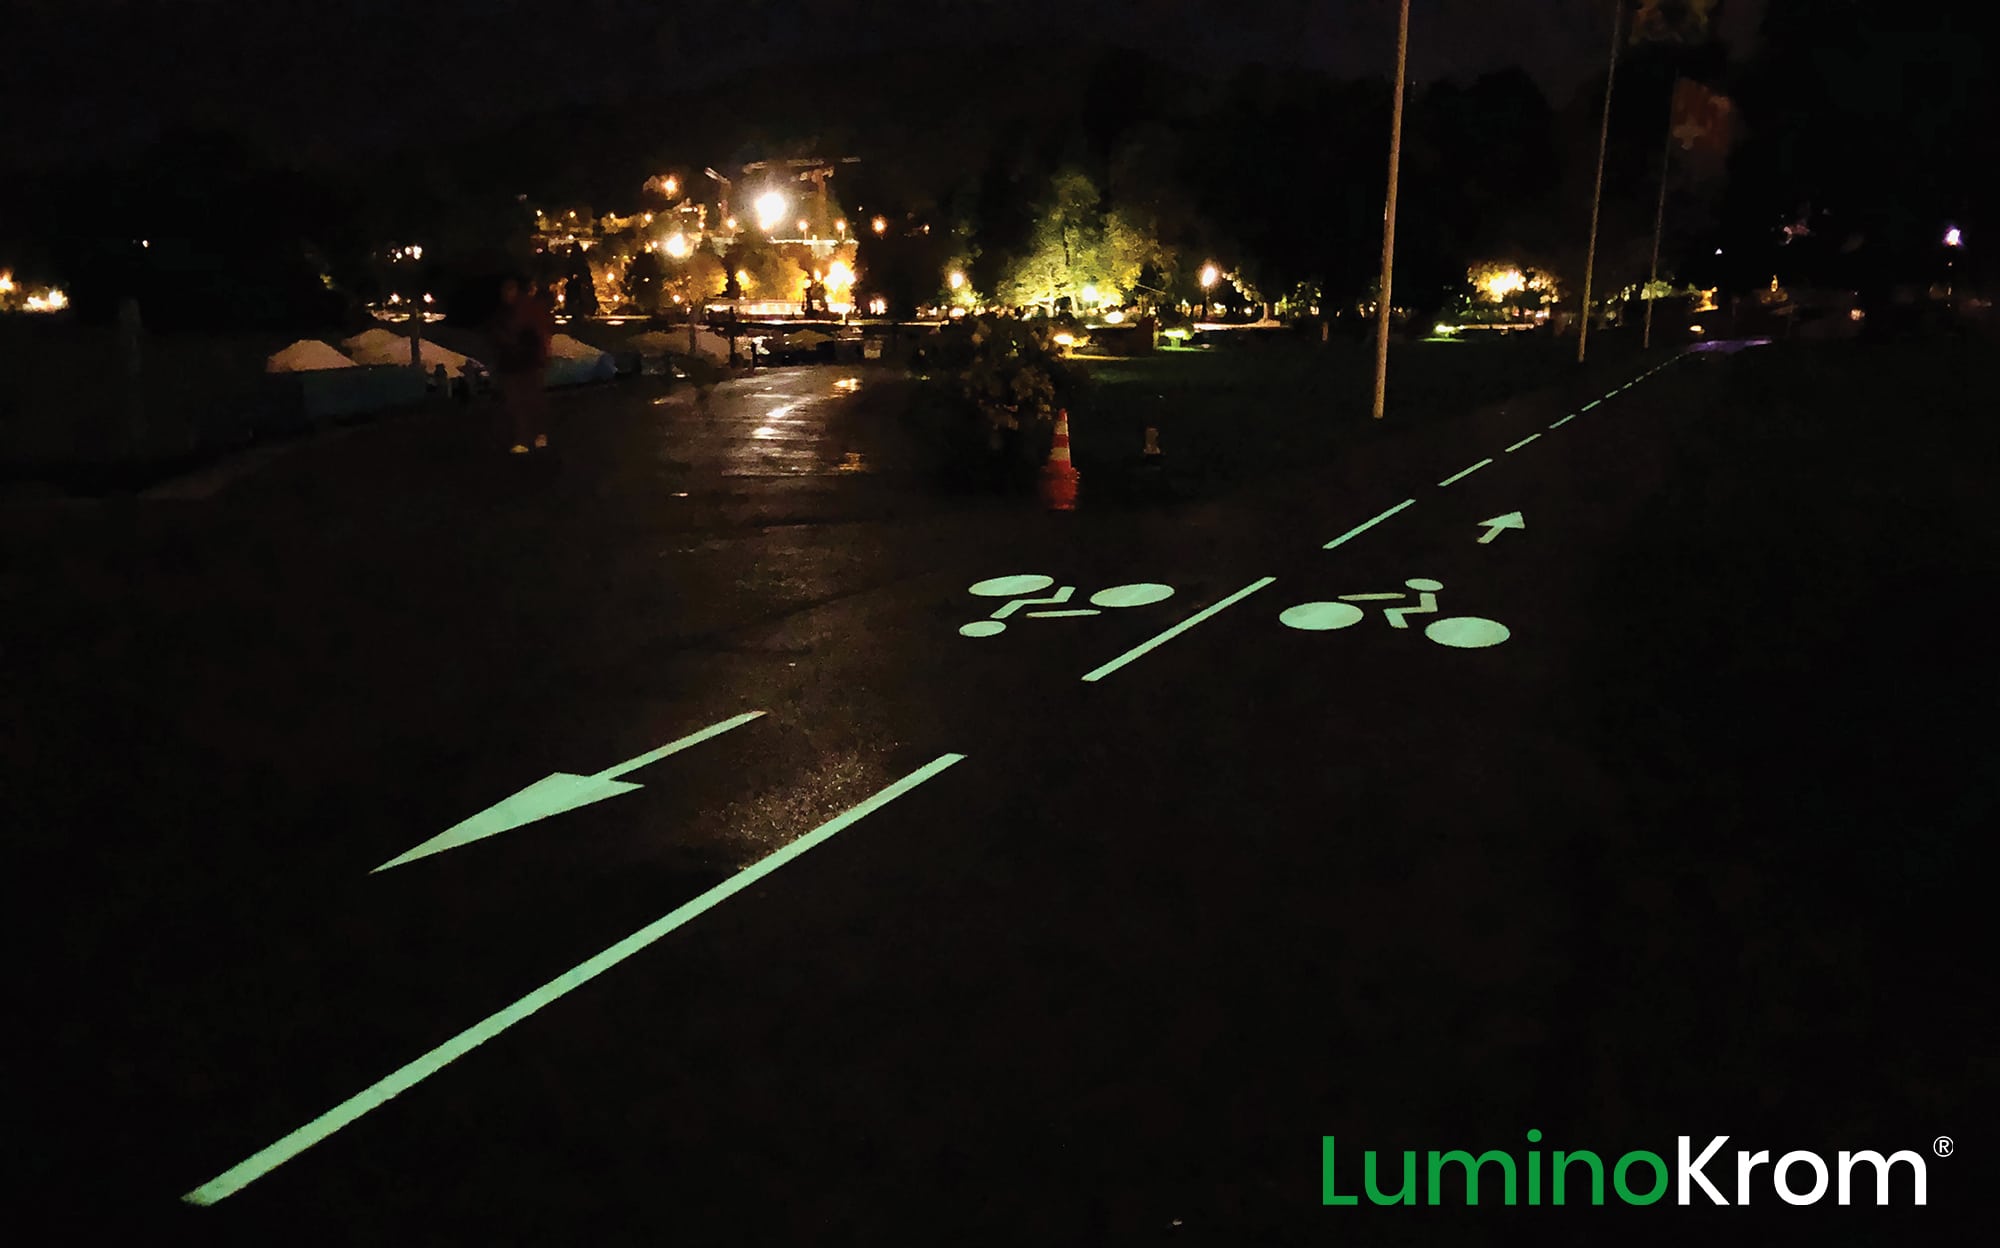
1638 1177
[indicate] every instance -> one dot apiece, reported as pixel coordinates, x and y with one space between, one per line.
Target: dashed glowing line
1565 420
261 1163
1523 442
1144 647
1593 403
1465 473
1363 527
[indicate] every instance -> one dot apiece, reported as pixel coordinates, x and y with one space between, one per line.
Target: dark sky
333 76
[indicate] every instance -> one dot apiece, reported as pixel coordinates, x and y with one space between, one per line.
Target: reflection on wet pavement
801 422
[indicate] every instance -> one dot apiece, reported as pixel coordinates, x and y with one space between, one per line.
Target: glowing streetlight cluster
771 207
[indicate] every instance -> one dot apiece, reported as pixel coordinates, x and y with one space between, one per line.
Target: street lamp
957 280
879 225
1209 276
677 246
770 210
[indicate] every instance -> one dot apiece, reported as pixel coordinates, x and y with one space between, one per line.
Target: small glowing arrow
1512 520
552 795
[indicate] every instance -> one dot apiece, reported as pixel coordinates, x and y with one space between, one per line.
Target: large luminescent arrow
552 795
1512 520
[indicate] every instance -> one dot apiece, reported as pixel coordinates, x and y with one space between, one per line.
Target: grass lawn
1240 411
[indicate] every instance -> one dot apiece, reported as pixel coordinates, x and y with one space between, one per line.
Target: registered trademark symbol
1942 1146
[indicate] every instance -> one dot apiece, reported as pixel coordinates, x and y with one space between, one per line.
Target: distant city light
6 283
803 225
1065 340
1952 238
840 227
1114 317
677 246
1505 282
839 276
879 225
743 279
730 223
957 280
770 210
1209 276
51 301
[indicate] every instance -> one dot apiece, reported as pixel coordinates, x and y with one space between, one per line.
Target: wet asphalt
1687 852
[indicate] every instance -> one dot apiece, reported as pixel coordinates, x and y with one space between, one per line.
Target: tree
645 281
694 281
1076 244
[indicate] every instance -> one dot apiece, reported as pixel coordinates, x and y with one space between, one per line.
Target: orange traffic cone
1059 476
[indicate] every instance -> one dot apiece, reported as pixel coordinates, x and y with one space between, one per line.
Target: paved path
1083 930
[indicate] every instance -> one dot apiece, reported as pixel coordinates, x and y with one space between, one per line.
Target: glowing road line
1369 597
1565 420
554 794
1593 403
675 747
1061 615
1147 646
1359 529
261 1163
1523 442
1468 472
1612 395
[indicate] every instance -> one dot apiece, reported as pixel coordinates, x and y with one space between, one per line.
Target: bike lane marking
1144 647
269 1158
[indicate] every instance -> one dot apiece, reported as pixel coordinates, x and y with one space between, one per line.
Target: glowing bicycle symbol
1461 632
1140 594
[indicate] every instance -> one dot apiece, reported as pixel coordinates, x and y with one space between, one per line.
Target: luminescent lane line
1523 442
1593 403
1366 525
261 1163
675 747
1465 473
1146 646
1565 420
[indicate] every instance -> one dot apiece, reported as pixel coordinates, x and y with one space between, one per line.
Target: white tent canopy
308 355
384 346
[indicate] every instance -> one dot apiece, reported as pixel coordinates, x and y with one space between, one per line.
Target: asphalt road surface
1653 816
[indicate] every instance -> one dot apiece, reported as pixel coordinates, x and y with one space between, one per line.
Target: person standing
520 332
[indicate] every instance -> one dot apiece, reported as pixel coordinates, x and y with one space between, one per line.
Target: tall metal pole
1389 215
1659 224
1597 189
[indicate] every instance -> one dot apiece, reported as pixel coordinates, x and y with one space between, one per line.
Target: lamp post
1209 276
1389 213
1597 188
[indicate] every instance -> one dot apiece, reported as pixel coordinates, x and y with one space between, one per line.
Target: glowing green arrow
1512 520
552 795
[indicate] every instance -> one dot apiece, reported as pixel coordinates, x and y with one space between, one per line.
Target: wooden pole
1597 189
1389 215
1659 224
